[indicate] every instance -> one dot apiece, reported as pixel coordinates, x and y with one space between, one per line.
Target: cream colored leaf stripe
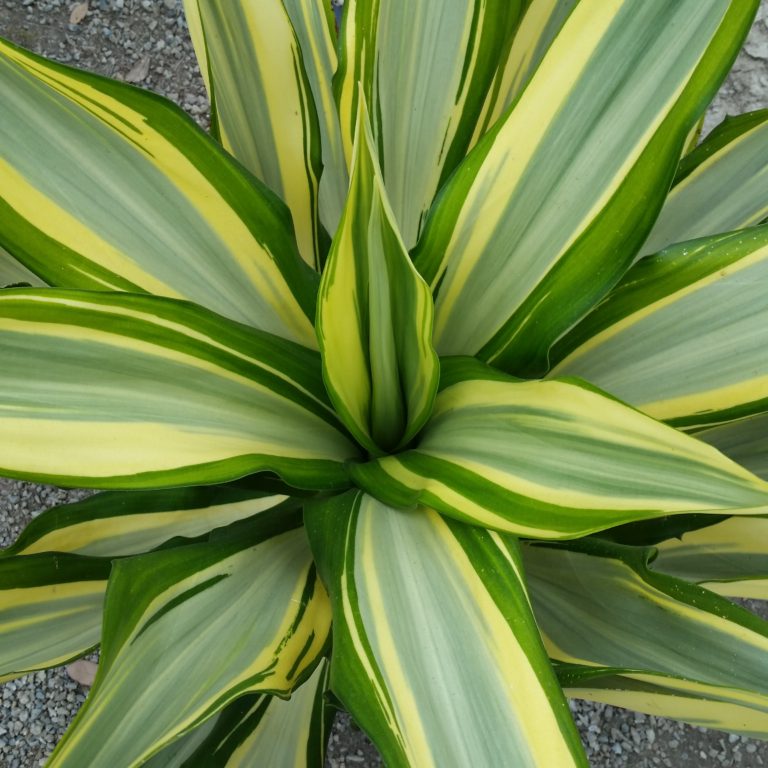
721 186
435 648
542 21
374 321
612 102
116 524
315 29
356 60
598 605
691 141
50 610
425 77
728 558
177 754
684 336
708 706
146 392
108 187
252 595
264 105
262 730
552 460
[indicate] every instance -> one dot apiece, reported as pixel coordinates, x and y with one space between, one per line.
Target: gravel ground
146 42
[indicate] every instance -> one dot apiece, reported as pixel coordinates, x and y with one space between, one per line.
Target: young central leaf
374 317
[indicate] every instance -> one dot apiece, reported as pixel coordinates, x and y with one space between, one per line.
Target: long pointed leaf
314 25
116 524
541 23
178 754
707 706
745 441
729 558
600 126
259 731
188 630
105 186
553 459
135 391
684 336
424 75
374 320
50 610
264 107
598 605
721 186
435 650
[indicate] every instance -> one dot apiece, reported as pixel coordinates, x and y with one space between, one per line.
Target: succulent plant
432 384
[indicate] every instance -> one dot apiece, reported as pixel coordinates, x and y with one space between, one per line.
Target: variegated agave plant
400 370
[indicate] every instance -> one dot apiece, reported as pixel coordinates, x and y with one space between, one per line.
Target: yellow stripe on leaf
170 391
599 606
663 699
728 557
374 320
723 190
314 25
542 21
424 77
109 187
683 337
553 460
409 682
517 255
50 610
259 604
128 523
264 105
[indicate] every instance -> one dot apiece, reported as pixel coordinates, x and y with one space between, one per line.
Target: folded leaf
138 391
115 524
720 186
259 730
374 320
435 651
612 102
684 336
425 77
108 187
188 630
553 460
50 610
685 652
730 557
265 112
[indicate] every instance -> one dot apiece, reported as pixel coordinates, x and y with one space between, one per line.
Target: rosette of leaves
432 384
